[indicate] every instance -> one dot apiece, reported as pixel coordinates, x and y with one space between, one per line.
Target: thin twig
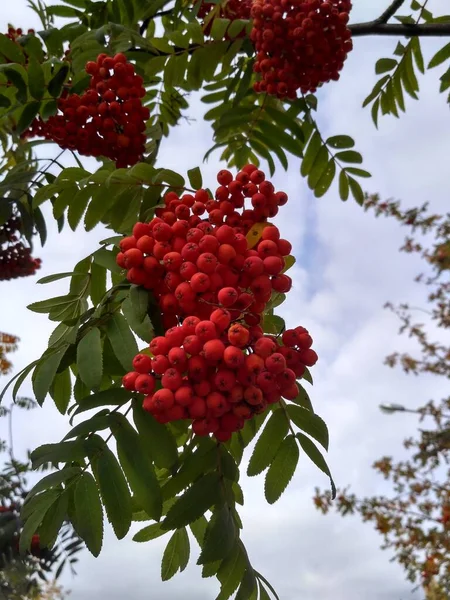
400 29
390 11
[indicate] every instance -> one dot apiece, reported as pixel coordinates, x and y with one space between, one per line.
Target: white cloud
348 265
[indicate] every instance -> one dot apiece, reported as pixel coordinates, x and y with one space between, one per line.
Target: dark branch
400 29
143 28
390 11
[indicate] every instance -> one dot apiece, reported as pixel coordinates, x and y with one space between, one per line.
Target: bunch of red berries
109 119
218 373
13 33
231 9
15 254
300 44
194 266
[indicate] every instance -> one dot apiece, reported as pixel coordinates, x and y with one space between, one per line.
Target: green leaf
107 259
195 178
344 189
96 423
441 56
155 437
194 502
27 116
56 277
33 521
356 190
53 480
89 513
311 450
36 80
57 81
151 532
61 390
45 372
78 205
5 102
17 76
220 536
139 300
268 443
137 467
11 50
303 399
311 152
122 341
340 141
57 453
309 423
231 572
219 28
383 65
53 520
282 469
248 588
357 172
114 491
90 359
349 156
98 283
110 397
326 179
174 554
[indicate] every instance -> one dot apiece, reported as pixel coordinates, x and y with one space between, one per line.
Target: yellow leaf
254 235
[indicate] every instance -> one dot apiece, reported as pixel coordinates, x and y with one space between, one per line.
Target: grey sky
348 265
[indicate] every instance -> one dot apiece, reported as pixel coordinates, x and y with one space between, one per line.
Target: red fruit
176 413
160 364
133 258
270 233
217 404
267 382
178 358
238 335
213 351
197 408
253 395
221 319
222 436
189 324
254 266
148 404
275 363
197 368
200 282
163 399
304 341
206 330
284 247
264 347
188 270
192 345
159 345
184 395
120 260
200 427
242 410
286 378
146 244
224 380
207 262
236 394
145 384
291 392
281 283
172 261
172 379
208 244
224 177
140 229
142 363
273 265
308 357
290 338
129 380
254 364
162 232
233 357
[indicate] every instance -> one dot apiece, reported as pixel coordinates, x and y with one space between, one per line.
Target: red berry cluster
214 364
300 44
109 119
231 9
15 254
13 34
218 373
193 266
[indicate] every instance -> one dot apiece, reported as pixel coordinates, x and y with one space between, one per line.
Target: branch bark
390 11
400 29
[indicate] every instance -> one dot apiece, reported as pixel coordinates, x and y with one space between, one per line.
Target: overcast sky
348 265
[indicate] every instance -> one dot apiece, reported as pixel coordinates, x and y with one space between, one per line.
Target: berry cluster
214 365
219 373
109 119
300 44
193 266
15 254
13 34
231 9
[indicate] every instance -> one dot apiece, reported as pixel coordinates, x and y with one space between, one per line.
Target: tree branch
146 23
389 12
400 29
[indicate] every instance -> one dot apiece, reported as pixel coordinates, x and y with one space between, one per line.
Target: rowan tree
415 519
172 320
